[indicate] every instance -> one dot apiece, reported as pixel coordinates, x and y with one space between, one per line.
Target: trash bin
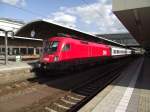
18 58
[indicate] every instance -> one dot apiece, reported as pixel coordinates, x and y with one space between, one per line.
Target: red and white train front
50 53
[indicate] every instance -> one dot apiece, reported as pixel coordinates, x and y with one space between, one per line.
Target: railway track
77 96
73 93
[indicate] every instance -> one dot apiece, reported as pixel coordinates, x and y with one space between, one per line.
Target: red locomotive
64 52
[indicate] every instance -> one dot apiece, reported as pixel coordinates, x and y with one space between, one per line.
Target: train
60 52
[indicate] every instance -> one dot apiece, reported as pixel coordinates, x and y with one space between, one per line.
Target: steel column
6 48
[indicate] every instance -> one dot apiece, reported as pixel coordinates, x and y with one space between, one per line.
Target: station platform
13 65
15 71
130 92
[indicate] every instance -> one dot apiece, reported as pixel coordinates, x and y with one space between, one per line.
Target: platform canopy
43 29
135 16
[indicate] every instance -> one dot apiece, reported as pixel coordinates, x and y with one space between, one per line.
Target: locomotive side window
66 47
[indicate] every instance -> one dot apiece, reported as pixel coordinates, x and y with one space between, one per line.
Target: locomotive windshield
50 47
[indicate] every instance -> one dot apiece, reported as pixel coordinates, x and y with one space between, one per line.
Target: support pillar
34 52
6 48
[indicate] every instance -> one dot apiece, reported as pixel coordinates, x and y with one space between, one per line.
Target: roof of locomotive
70 39
59 38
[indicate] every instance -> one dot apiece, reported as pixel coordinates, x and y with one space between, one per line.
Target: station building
18 45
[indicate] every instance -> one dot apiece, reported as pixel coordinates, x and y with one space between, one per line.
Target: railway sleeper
61 102
73 94
64 105
68 101
48 109
75 98
56 108
59 107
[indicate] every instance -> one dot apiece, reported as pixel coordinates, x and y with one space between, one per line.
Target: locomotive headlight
46 59
56 58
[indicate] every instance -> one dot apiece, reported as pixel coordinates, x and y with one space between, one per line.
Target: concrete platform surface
14 65
130 92
15 71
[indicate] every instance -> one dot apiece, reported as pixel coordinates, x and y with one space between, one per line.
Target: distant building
122 38
18 45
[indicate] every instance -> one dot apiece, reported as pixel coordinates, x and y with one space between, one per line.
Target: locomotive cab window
50 47
66 47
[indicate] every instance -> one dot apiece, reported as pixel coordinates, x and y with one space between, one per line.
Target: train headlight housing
46 59
56 58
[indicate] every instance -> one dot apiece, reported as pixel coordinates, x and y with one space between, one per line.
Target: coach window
114 51
66 47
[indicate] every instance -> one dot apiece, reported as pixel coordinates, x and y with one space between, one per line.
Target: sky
92 16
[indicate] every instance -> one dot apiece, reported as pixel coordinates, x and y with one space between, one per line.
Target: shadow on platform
143 79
